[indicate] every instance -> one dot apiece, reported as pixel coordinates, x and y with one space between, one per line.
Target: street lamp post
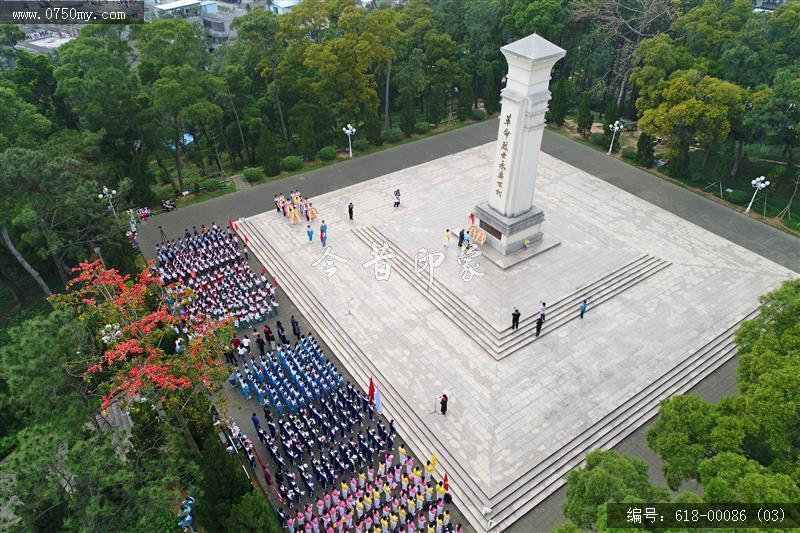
109 194
758 184
349 131
615 127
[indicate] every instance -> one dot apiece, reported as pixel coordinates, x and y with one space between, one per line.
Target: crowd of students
210 263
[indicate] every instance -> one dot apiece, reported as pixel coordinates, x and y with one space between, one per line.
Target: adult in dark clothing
295 327
460 238
350 210
539 323
443 404
262 345
515 318
282 334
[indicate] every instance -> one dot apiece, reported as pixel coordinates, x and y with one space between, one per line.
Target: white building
279 7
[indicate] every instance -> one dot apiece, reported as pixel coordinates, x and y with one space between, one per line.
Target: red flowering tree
134 330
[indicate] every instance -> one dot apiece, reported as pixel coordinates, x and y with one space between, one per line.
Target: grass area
740 189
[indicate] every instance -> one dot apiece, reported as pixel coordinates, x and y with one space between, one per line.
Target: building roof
534 47
177 4
285 3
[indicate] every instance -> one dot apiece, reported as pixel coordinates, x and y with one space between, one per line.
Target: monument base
509 234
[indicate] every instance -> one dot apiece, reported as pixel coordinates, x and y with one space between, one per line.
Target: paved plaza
514 403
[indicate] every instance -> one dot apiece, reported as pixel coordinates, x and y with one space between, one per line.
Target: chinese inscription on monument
503 154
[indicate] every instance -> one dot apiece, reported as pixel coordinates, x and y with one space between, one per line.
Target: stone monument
510 218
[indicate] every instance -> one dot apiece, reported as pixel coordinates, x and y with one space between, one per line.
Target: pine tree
253 514
269 154
610 116
491 101
308 139
585 116
436 105
372 127
644 150
559 105
224 484
466 97
408 113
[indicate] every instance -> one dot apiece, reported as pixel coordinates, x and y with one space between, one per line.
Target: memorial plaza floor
703 280
664 298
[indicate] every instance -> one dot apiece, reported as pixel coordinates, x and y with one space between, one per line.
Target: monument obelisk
509 217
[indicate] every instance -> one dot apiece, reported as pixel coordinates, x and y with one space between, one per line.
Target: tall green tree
491 101
372 126
224 484
408 112
607 477
252 514
645 155
465 100
559 105
436 105
584 119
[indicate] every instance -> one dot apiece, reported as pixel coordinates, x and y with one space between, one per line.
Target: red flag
275 281
446 483
244 236
371 390
263 271
232 225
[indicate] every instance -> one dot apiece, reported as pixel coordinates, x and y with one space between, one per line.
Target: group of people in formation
210 263
295 207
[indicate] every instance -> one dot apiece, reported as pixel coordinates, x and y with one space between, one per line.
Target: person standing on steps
543 311
443 404
539 322
515 318
310 233
584 307
461 237
397 198
350 211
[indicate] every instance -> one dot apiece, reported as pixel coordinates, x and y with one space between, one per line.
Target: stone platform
664 297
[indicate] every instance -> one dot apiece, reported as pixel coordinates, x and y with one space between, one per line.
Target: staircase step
467 495
543 479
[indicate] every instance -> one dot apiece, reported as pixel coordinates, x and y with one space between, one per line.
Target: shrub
252 174
629 154
272 166
422 127
596 138
392 135
292 162
478 114
210 184
360 144
328 153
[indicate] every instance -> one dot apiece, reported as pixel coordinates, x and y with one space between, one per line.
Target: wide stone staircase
541 480
501 343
